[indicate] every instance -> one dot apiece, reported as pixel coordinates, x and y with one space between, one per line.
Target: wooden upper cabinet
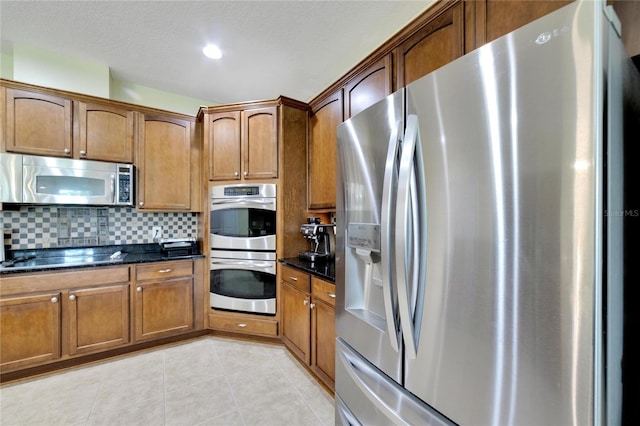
368 87
243 144
224 142
103 132
325 117
260 143
38 123
164 163
495 18
439 41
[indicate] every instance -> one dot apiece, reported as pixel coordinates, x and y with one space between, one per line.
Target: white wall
44 68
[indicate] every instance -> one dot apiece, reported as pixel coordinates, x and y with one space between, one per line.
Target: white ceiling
270 48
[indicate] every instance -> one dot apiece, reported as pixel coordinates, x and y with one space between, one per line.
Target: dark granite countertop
40 260
325 269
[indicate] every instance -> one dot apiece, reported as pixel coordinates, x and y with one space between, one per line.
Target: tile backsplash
72 226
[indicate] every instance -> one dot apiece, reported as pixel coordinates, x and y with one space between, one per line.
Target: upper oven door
243 224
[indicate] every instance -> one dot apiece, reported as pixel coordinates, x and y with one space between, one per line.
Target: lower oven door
243 285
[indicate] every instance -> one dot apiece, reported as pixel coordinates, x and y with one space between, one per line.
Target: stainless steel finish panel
510 146
363 290
267 242
10 178
374 399
243 203
261 306
266 190
266 266
68 163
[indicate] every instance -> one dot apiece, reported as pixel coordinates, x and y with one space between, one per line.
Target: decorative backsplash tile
70 226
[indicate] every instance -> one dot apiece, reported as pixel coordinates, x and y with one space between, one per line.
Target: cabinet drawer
241 325
323 290
162 270
296 278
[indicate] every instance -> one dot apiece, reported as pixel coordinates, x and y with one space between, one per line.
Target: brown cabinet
38 123
308 321
103 132
326 115
163 299
44 123
164 162
47 317
439 41
368 87
30 330
243 144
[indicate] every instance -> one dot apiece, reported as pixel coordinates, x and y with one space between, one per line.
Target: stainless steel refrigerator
480 214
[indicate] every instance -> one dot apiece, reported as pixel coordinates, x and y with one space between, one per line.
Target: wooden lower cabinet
308 321
164 300
29 330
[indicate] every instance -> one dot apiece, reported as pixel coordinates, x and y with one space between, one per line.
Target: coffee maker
322 237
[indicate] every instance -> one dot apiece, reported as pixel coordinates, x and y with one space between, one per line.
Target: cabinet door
98 318
29 330
260 143
326 116
323 341
495 18
224 145
368 87
38 123
438 42
103 132
164 163
296 321
163 308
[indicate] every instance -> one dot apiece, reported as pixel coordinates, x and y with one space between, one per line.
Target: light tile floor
208 381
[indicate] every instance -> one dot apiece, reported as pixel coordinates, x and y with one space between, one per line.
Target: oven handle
268 267
268 204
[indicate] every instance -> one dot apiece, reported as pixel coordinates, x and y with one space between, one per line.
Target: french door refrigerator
480 214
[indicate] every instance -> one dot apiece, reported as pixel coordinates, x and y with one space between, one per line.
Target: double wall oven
243 248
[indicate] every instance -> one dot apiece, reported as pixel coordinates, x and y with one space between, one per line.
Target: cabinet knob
139 289
141 203
243 325
66 150
306 302
83 152
246 173
235 173
313 305
72 297
54 300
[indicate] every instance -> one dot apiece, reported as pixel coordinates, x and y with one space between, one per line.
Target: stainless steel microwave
49 180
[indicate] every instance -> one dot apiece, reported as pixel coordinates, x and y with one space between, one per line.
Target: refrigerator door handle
405 269
390 183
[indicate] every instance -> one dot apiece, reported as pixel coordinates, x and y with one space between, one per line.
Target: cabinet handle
54 300
141 203
66 150
235 173
246 173
83 152
164 271
293 278
331 295
72 297
313 305
241 325
139 289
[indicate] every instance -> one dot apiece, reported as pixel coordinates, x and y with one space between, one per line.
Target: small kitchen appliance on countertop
322 237
176 247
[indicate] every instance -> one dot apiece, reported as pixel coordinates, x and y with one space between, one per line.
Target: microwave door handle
402 265
390 184
113 189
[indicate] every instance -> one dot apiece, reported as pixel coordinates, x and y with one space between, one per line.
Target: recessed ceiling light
212 51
